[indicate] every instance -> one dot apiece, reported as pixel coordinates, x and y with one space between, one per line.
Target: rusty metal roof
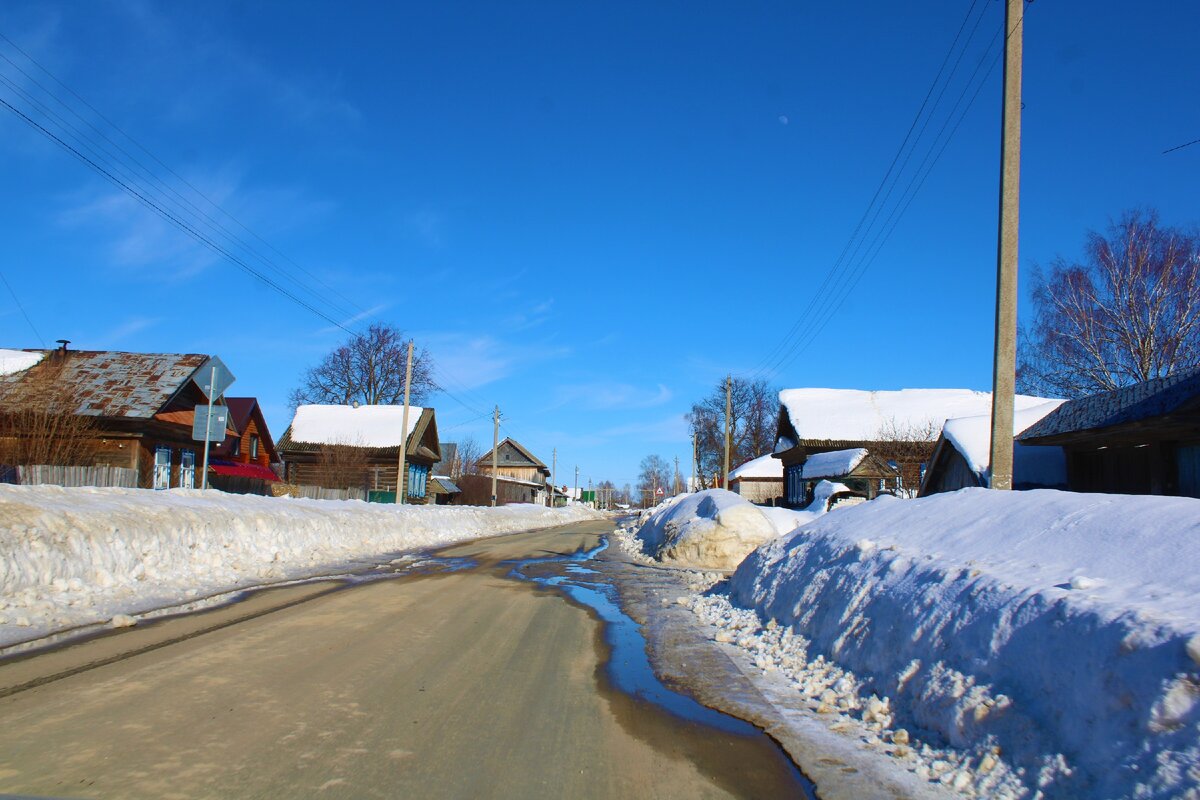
106 383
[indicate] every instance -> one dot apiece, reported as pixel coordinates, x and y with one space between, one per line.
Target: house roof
1129 404
854 415
376 428
110 383
486 459
762 467
241 411
972 437
833 464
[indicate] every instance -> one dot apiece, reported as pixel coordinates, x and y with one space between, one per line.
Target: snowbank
1059 632
70 557
712 529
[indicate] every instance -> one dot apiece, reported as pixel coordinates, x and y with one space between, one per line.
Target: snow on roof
18 360
861 416
762 467
833 464
365 426
972 437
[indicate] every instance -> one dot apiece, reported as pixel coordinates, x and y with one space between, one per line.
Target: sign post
220 379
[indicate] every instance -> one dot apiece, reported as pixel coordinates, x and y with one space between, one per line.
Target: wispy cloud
357 318
465 361
603 395
126 329
427 226
531 318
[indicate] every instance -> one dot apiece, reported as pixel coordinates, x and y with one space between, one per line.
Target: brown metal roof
108 383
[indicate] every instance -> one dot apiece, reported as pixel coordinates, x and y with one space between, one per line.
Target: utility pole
676 487
576 497
495 450
553 469
400 491
1005 364
728 414
692 480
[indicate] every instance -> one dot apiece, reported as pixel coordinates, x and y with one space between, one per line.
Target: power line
840 261
1181 146
352 306
22 310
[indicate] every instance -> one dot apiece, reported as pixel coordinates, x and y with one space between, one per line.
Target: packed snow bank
712 529
70 557
1058 631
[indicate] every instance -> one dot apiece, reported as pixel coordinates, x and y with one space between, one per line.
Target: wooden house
1140 439
514 461
136 409
860 471
962 455
358 447
899 427
244 461
759 480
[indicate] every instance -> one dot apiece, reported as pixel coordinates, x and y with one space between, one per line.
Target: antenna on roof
64 343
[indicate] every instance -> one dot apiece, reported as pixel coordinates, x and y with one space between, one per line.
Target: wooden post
400 490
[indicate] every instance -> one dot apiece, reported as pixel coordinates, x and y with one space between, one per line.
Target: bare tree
1128 313
467 457
39 423
754 410
368 369
910 444
655 474
344 466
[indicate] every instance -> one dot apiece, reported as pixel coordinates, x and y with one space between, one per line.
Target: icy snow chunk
122 621
1083 583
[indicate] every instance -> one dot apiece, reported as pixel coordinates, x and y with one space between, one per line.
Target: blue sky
588 212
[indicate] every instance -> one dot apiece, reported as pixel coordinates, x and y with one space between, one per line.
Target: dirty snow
364 426
712 529
74 557
17 360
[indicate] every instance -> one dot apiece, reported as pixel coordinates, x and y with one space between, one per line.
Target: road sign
660 491
216 425
214 378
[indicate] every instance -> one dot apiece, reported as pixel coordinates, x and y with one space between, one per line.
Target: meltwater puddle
628 666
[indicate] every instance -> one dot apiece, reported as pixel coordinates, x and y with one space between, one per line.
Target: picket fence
56 475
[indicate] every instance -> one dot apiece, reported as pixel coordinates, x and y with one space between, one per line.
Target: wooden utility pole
728 414
1005 364
576 498
676 487
553 469
692 480
400 490
495 450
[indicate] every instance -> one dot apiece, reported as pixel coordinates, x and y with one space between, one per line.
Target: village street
462 683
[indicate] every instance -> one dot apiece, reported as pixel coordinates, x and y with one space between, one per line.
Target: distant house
962 455
140 406
1140 439
242 463
759 480
520 476
898 427
856 468
339 447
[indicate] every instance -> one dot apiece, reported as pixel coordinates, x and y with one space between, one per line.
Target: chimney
62 351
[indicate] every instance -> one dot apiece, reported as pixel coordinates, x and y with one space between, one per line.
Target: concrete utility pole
400 491
692 480
1005 365
576 497
553 469
728 414
495 450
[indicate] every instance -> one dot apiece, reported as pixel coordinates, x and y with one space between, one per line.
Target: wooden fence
321 493
55 475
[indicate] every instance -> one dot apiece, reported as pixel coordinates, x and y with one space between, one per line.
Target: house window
253 448
794 488
236 450
187 469
162 468
418 476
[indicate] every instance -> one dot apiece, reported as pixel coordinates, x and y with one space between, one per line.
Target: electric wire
21 308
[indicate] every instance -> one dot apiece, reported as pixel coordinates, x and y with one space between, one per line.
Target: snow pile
713 529
832 464
364 426
862 416
12 361
762 467
1043 466
1058 633
71 557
